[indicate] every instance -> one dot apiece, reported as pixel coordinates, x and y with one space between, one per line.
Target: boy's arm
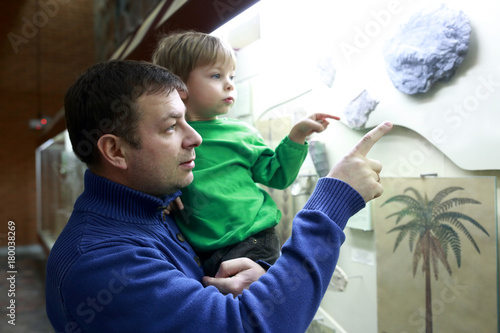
315 123
280 168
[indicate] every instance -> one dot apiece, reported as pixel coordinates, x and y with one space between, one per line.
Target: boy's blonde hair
181 52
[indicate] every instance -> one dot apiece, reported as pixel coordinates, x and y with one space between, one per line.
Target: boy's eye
216 76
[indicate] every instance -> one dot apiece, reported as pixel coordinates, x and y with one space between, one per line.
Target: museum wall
45 45
317 58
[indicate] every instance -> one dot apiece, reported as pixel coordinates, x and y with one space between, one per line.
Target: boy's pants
264 246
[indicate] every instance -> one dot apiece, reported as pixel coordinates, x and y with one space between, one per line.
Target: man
121 264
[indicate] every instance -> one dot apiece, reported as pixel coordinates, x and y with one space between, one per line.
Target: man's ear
183 94
112 150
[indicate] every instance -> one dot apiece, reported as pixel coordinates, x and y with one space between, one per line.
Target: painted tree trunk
428 294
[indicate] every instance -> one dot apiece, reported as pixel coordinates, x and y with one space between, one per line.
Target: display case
59 181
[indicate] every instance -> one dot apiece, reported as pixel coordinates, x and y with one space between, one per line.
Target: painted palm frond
445 192
406 199
454 202
411 228
449 239
413 207
438 254
455 218
416 193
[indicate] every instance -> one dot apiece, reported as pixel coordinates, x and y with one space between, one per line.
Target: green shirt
224 205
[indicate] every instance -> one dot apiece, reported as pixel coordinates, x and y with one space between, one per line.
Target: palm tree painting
440 230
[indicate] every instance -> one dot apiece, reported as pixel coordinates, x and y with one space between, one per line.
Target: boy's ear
112 150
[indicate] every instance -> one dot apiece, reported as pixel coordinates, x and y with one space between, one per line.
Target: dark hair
103 101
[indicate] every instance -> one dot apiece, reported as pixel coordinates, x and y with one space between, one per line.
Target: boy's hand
174 205
315 123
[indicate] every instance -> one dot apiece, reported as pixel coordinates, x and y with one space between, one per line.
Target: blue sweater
121 265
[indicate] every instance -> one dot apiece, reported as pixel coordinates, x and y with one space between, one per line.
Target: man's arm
355 169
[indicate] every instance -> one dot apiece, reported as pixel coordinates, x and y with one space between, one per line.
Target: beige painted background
466 301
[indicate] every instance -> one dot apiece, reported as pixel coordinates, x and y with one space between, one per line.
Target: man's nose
192 139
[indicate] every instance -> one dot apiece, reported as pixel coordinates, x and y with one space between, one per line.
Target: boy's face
211 91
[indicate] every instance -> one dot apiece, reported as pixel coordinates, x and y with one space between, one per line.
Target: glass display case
59 182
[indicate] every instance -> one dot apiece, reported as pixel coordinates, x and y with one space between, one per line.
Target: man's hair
103 100
181 52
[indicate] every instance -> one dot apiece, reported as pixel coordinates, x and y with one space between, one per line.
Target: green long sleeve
224 205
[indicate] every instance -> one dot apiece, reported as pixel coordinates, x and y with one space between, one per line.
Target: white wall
403 154
280 65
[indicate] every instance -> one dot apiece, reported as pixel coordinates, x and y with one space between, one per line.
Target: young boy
225 213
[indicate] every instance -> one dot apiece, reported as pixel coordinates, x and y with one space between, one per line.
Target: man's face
164 162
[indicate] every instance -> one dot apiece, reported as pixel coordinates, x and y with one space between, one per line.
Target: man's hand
315 123
234 276
362 173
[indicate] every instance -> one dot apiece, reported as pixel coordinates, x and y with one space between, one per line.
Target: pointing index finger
363 147
319 116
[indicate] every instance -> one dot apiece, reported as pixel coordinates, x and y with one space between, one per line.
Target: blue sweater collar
107 198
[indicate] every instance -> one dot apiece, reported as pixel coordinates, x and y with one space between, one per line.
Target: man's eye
171 128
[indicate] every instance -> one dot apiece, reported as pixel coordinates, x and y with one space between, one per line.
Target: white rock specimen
357 111
427 49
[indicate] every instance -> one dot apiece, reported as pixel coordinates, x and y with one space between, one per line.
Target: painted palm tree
432 233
